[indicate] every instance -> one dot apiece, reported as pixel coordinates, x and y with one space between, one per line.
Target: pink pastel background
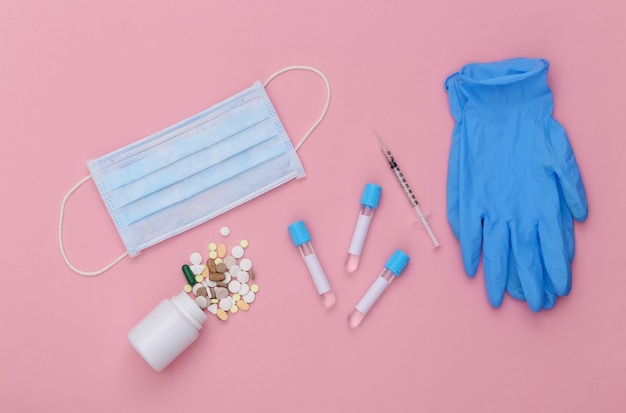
79 79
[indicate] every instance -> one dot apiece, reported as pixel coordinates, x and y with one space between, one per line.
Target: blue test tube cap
299 233
371 195
397 262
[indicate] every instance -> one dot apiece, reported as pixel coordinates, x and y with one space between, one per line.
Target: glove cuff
503 72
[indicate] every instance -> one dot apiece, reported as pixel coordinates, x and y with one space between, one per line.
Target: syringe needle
407 190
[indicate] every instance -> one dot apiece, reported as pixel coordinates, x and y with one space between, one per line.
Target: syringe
407 190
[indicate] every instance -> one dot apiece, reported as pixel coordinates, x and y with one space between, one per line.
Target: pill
214 301
209 283
251 274
243 305
201 301
199 278
212 308
218 260
243 277
234 269
197 269
244 289
217 277
205 272
222 284
211 292
234 308
236 297
187 288
221 293
212 246
229 261
221 251
234 286
191 279
221 314
245 264
213 255
195 258
248 298
237 251
225 231
221 268
199 289
254 288
228 277
244 243
226 303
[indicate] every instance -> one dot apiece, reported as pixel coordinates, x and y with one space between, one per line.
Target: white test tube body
358 238
317 274
370 297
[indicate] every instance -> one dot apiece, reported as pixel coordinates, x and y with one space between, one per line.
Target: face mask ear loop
62 248
320 74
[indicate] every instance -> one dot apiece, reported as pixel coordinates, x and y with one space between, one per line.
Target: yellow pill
214 301
243 305
213 255
234 309
218 261
254 288
221 251
222 315
244 243
212 246
205 272
236 297
199 278
187 288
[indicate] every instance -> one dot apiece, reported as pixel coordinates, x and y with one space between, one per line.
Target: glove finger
525 247
513 284
568 174
496 246
567 225
471 239
514 287
555 257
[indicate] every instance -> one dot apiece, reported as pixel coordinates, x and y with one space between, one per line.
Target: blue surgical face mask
195 170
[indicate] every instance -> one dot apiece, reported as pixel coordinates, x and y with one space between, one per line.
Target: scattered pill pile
222 283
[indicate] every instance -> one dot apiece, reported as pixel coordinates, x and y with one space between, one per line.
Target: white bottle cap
166 331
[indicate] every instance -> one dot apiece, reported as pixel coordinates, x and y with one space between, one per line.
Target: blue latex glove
513 181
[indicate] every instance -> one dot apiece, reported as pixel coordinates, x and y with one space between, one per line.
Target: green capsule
191 278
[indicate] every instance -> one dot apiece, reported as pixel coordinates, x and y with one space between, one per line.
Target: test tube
369 202
302 239
393 268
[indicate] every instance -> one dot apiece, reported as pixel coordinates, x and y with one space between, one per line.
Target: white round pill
209 283
212 308
201 301
246 264
226 303
234 286
195 258
234 269
229 261
249 297
244 289
237 251
228 277
243 277
225 231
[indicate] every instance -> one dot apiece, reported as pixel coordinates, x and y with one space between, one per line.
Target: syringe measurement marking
403 183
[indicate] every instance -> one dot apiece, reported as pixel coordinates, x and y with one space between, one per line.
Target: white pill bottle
166 331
